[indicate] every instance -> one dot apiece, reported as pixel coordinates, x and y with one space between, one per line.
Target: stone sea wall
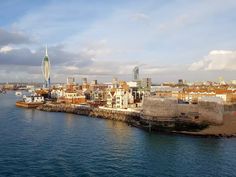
132 118
158 109
157 114
125 116
230 107
211 112
187 108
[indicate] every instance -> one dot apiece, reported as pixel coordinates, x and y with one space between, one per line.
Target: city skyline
118 88
100 40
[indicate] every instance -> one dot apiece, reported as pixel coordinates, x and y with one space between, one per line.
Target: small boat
18 93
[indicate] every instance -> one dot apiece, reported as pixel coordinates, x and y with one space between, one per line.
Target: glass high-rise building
136 73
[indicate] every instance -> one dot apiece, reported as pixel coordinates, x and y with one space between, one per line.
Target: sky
167 39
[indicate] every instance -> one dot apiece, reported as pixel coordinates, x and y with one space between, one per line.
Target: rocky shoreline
135 119
124 116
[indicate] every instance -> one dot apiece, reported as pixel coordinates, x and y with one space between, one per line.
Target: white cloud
96 49
140 17
71 68
177 22
103 40
216 60
5 49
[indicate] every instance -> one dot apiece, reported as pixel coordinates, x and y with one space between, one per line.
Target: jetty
30 101
27 105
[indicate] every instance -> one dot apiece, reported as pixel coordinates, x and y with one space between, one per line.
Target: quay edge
135 119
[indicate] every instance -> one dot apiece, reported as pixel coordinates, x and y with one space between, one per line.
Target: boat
18 93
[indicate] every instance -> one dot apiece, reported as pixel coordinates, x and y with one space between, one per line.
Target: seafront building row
194 102
177 105
116 94
173 107
121 94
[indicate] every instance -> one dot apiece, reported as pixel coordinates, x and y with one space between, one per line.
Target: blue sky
168 40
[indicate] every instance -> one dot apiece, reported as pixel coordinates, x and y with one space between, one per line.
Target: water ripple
34 143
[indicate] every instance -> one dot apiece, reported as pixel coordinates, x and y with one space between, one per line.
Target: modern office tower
136 73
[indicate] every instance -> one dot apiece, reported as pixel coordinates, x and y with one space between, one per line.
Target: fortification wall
155 108
211 112
187 108
159 108
230 107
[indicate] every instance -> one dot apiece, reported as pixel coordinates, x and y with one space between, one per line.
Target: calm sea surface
34 143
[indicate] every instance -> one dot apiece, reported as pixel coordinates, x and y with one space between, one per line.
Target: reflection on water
120 131
28 114
69 119
35 143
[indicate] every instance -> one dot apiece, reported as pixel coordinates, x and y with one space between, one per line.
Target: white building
111 98
57 93
109 85
71 95
33 99
122 98
132 84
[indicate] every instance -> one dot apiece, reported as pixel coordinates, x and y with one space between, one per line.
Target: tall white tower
46 68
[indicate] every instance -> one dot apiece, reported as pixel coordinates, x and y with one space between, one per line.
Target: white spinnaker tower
46 68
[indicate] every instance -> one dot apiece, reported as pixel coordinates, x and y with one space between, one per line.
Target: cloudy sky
168 40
